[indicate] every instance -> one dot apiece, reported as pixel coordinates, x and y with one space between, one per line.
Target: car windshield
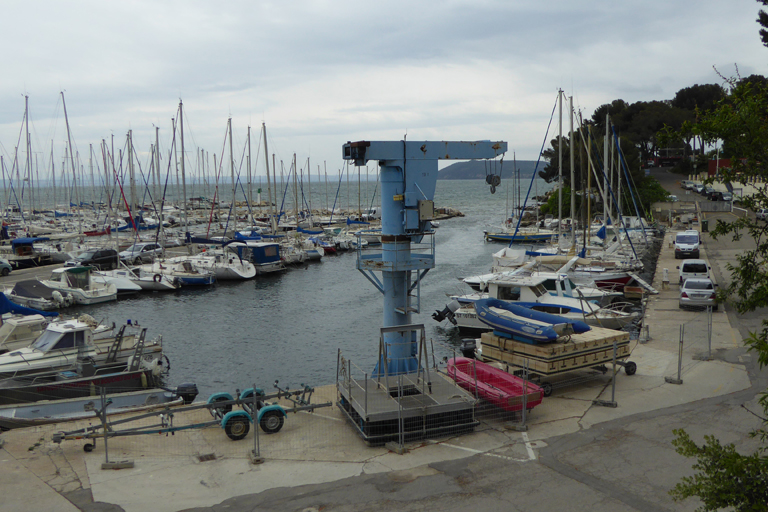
134 248
86 255
698 285
686 239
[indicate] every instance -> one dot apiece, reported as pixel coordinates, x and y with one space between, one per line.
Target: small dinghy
526 325
493 385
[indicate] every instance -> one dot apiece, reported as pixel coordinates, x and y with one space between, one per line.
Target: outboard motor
468 347
447 312
187 391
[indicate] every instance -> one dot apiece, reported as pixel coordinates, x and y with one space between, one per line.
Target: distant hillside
476 169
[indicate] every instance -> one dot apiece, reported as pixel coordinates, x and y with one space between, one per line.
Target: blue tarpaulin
6 306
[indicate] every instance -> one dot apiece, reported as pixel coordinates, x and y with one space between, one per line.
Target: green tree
726 478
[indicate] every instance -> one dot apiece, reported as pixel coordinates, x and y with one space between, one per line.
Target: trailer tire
630 368
88 447
546 387
272 421
224 409
237 428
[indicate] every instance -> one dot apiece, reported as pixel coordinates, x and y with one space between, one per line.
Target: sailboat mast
269 183
560 163
573 164
53 175
296 192
309 187
250 179
71 157
232 171
605 174
183 175
157 172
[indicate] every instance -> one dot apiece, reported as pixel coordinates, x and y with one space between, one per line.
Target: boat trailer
236 423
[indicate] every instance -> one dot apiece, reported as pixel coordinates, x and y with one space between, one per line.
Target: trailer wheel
88 447
272 422
546 387
223 409
630 368
237 428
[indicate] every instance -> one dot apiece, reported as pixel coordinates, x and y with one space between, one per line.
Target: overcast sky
320 73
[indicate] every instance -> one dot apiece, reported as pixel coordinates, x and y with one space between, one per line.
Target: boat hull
58 386
46 412
498 387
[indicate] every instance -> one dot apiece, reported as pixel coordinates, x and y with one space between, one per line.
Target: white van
687 244
693 268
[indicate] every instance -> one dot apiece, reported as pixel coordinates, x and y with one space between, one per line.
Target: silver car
698 292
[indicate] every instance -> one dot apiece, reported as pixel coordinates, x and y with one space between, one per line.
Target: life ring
157 278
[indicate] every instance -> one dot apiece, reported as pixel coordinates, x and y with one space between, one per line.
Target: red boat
496 386
98 233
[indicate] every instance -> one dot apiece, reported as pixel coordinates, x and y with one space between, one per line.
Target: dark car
103 259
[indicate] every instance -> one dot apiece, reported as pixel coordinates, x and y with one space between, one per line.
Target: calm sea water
290 326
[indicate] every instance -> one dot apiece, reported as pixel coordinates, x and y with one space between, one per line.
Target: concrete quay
574 456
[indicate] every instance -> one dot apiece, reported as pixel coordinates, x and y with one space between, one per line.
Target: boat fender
249 393
157 278
273 407
234 414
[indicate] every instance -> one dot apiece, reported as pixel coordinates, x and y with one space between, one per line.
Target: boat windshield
46 341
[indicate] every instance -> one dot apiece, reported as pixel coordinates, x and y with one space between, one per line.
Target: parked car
687 244
698 292
5 267
686 184
715 196
698 188
102 259
707 191
142 252
672 198
726 196
762 214
693 268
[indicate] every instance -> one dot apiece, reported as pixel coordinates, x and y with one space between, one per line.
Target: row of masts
73 177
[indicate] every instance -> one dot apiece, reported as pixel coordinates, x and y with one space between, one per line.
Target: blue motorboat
523 324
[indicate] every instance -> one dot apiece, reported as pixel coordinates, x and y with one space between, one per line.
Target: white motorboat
63 343
122 283
182 271
225 263
145 280
78 283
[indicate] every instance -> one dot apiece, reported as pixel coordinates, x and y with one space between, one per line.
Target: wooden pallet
587 350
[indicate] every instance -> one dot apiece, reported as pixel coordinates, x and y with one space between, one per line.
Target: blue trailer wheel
271 419
237 428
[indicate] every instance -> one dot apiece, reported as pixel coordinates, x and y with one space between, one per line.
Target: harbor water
289 327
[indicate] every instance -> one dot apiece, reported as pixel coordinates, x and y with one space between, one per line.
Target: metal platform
424 408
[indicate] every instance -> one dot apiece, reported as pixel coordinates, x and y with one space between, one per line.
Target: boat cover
34 289
6 306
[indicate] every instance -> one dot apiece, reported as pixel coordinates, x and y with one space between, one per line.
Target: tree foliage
724 478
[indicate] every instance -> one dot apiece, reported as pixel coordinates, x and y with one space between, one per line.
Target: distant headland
478 169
